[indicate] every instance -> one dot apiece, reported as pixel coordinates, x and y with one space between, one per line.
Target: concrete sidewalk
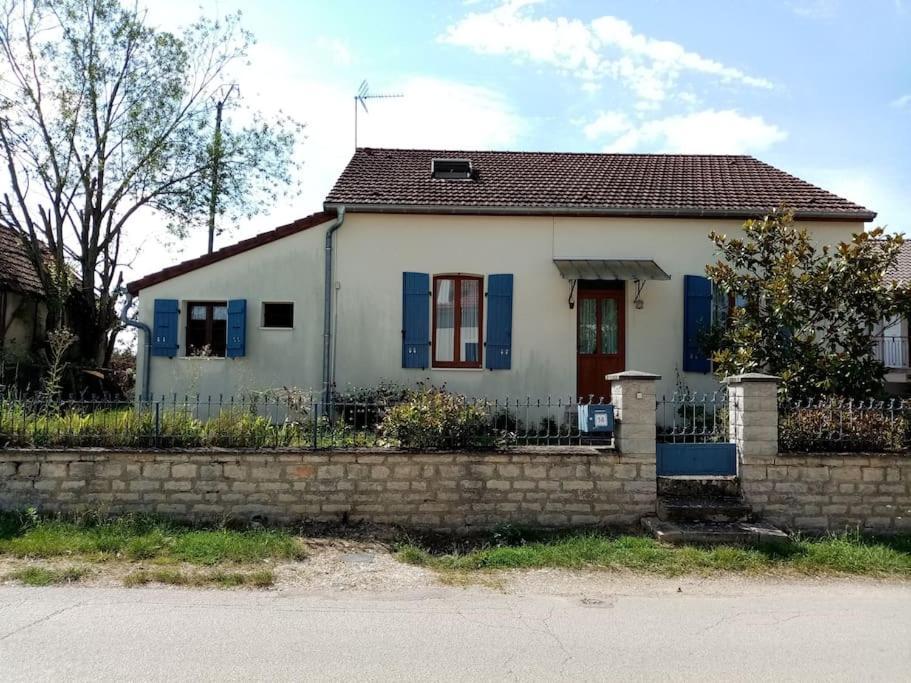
617 628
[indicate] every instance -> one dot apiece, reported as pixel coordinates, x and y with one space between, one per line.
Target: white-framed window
278 315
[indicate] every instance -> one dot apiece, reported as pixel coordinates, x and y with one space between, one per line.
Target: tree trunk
92 327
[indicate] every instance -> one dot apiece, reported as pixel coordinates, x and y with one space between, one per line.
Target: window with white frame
278 315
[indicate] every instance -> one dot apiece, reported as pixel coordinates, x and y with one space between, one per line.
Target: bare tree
104 118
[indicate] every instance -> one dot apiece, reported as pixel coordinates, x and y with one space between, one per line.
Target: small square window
278 314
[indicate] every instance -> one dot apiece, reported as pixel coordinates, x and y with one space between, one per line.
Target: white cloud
438 113
607 47
814 9
703 132
609 123
902 102
337 48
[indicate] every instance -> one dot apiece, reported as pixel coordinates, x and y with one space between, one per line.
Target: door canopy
610 269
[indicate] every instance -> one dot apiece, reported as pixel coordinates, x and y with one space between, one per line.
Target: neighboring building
23 313
494 273
892 344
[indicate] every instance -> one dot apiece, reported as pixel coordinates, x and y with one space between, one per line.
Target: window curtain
468 333
609 326
445 321
588 326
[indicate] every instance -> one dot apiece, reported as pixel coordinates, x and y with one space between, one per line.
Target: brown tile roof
17 273
601 184
902 270
227 252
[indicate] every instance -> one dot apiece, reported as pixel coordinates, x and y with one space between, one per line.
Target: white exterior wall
375 249
372 252
290 269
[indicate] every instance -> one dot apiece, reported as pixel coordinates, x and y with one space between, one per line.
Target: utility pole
216 166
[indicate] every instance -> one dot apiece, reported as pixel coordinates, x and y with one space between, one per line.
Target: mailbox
596 418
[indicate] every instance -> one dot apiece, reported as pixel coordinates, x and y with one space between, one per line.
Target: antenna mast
363 94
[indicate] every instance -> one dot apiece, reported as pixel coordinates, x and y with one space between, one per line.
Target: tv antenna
363 94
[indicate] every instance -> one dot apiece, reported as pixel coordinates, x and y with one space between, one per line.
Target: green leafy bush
243 428
833 427
435 418
364 407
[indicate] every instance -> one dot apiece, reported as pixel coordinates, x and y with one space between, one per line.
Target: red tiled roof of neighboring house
17 272
233 250
686 185
902 269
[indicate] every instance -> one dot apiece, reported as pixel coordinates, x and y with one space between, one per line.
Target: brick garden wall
445 491
830 492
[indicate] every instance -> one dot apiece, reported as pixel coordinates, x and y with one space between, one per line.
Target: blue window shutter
415 320
164 328
499 322
237 328
697 319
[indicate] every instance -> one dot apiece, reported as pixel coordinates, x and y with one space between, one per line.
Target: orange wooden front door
600 339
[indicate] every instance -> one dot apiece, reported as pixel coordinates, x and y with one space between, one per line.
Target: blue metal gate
693 436
702 459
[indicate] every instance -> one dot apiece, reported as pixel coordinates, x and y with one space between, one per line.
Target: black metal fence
693 417
841 425
284 421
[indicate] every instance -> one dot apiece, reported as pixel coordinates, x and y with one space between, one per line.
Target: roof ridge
558 153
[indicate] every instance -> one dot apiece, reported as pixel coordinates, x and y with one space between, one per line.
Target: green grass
140 538
42 576
848 554
263 578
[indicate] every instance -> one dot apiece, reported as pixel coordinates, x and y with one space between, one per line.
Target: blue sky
820 88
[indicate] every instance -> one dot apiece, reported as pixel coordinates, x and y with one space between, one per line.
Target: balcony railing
891 350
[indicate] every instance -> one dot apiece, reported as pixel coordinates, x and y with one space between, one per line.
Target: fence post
753 405
314 415
157 424
634 401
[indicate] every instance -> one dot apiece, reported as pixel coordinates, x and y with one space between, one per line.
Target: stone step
708 533
688 509
690 486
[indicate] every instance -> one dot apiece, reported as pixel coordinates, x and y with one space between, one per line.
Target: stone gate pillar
633 397
753 405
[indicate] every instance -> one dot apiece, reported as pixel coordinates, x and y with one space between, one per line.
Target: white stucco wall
290 269
372 252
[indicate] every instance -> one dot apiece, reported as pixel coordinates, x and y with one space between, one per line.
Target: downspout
327 305
147 333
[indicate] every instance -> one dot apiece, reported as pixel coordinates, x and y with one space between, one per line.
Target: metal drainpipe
147 332
327 304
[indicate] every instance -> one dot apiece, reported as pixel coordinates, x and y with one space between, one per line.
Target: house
891 345
493 273
23 313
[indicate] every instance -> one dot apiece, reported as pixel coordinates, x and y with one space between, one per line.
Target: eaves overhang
608 211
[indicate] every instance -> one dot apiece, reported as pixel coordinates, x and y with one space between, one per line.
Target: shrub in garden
241 428
364 407
837 427
435 418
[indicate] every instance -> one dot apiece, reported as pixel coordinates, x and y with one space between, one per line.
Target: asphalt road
621 630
